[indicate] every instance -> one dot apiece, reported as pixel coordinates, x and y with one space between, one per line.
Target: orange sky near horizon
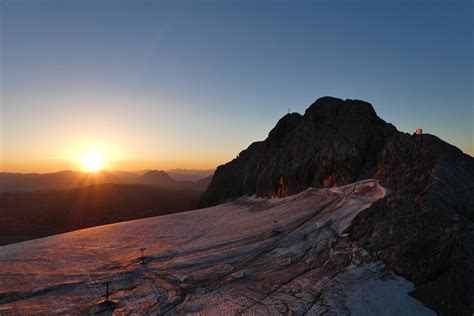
54 164
48 166
52 156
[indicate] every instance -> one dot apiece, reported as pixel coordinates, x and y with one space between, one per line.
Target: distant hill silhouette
10 182
158 177
29 215
189 174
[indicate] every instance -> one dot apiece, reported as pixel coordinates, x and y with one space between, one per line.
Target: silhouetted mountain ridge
189 174
69 179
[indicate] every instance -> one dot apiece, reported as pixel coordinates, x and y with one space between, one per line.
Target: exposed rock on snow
220 260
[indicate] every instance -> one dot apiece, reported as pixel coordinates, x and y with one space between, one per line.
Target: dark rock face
424 230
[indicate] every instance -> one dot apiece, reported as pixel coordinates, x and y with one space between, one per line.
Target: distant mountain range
11 182
189 174
37 205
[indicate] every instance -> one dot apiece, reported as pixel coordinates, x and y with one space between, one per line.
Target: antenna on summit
289 111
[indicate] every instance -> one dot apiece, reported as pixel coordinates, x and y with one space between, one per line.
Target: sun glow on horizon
93 161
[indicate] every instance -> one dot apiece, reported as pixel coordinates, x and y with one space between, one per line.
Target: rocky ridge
423 230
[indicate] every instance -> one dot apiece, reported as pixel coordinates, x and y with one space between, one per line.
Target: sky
189 84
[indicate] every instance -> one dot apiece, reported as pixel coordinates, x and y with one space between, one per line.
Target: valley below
41 213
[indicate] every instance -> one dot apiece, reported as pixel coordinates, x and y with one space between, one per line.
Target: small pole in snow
143 255
275 227
107 291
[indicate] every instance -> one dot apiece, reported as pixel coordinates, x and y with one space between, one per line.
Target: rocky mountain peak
424 229
285 125
329 109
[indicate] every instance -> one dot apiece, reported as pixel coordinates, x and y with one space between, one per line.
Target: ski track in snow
221 260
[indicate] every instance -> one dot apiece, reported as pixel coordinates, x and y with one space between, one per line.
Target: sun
93 161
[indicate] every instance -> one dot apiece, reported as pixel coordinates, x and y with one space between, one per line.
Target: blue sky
191 83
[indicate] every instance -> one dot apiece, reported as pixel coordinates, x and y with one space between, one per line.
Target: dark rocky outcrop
424 229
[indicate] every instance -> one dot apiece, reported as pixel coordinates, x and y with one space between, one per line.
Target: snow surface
221 260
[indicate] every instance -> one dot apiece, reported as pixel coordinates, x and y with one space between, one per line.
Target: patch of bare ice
368 289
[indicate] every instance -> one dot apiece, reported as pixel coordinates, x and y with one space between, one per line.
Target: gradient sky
190 84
